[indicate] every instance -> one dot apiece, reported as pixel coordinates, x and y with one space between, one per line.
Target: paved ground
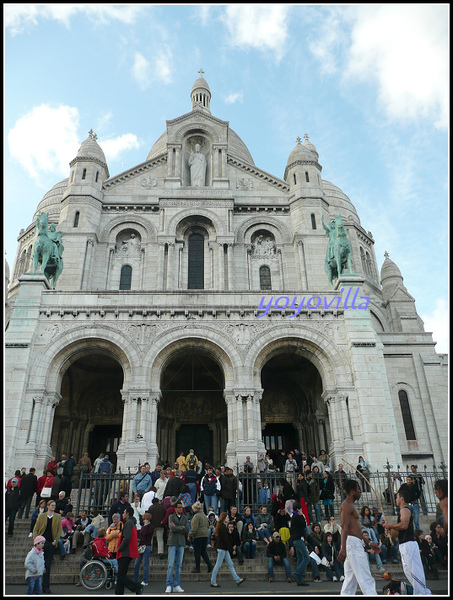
326 588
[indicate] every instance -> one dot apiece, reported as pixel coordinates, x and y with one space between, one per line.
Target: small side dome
91 149
51 202
339 202
300 153
389 270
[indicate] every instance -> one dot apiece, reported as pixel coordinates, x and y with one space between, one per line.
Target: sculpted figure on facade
197 164
338 254
263 247
48 249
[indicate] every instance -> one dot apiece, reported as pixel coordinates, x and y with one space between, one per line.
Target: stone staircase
67 571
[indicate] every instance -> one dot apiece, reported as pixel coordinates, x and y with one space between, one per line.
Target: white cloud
234 97
45 140
259 26
437 322
22 17
113 148
403 49
146 72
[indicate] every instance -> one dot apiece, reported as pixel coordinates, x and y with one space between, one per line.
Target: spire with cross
201 72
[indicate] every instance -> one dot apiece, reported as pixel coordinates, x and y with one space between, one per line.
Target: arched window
84 174
406 414
265 278
307 178
313 221
76 219
126 277
196 262
295 179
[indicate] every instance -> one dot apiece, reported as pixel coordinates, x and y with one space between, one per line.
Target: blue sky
368 83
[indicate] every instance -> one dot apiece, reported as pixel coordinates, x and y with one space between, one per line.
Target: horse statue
48 249
339 250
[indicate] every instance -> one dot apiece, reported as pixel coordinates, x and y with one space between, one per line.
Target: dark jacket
157 512
28 485
298 527
174 487
117 507
228 487
191 476
12 499
210 485
301 489
329 551
146 534
223 541
127 542
276 549
327 489
313 491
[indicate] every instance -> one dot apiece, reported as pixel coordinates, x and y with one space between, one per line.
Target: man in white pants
408 546
352 553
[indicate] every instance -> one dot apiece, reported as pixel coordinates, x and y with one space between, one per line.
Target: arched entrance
89 416
292 410
192 411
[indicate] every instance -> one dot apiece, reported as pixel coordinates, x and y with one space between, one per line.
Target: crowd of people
197 507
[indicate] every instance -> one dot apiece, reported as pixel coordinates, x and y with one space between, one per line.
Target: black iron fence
255 489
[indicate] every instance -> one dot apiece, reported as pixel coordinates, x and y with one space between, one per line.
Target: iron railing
255 489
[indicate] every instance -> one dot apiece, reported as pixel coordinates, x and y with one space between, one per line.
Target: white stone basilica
157 338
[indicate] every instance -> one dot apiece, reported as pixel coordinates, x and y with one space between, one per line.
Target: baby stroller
96 573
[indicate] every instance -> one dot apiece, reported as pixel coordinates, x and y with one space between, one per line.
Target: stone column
221 267
36 424
239 418
171 266
342 399
231 278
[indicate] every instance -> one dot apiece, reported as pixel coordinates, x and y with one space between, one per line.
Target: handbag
141 549
46 492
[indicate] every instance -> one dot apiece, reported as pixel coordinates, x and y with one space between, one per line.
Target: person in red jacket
127 551
101 549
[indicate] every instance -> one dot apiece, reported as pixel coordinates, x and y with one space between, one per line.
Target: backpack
105 466
192 461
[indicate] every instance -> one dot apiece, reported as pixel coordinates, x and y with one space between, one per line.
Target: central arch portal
192 411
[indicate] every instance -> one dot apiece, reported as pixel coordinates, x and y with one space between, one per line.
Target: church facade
194 311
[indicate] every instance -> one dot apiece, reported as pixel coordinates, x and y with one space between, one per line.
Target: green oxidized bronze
338 254
48 249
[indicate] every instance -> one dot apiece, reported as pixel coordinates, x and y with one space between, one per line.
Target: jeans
199 551
415 508
210 501
270 567
193 491
337 567
145 558
49 550
175 557
249 549
264 533
221 556
90 529
34 586
302 560
317 511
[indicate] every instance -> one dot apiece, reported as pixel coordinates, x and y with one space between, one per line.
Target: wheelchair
97 573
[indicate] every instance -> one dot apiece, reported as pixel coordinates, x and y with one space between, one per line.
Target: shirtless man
352 552
408 545
441 491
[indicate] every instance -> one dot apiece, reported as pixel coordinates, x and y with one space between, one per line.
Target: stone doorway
198 437
293 412
192 411
106 439
90 402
